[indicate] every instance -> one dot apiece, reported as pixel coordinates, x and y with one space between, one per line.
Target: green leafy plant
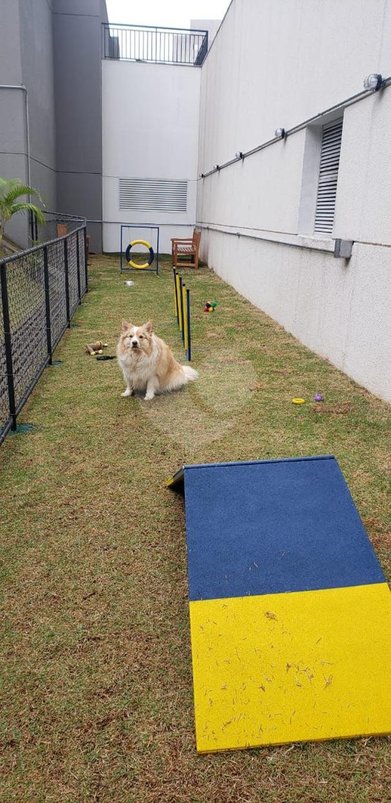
11 190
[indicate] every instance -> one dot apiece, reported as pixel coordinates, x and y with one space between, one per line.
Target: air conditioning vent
328 177
153 195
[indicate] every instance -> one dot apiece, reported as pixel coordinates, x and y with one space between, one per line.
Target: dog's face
137 338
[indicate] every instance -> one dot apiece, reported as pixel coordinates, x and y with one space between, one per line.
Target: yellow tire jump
144 264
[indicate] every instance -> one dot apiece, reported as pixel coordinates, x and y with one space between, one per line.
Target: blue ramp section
268 527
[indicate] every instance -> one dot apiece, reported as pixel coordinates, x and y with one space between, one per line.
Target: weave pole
176 306
188 327
184 318
178 282
182 311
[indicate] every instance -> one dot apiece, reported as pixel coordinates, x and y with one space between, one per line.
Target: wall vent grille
153 194
328 176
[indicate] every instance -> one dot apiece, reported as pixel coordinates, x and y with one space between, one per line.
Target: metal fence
40 291
159 45
57 225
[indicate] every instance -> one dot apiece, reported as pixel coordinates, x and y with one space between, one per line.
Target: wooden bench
185 250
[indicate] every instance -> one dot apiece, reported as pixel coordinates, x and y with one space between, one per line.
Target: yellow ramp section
291 667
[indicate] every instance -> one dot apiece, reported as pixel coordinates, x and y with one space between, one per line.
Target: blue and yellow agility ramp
290 613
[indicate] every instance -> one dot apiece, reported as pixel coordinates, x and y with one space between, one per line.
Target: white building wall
276 65
150 130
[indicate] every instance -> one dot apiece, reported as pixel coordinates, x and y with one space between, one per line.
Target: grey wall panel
53 48
76 191
10 63
78 93
46 181
85 8
37 70
12 122
13 162
78 82
27 122
103 11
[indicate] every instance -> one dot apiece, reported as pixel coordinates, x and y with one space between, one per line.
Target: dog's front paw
127 392
150 395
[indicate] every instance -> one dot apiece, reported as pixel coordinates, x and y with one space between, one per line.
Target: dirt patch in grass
97 700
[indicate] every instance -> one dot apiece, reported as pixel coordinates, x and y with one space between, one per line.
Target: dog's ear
125 326
149 327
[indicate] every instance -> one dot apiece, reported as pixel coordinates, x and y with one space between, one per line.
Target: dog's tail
190 373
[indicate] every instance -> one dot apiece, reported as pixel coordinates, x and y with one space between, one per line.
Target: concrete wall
77 70
258 214
37 70
51 134
27 128
150 130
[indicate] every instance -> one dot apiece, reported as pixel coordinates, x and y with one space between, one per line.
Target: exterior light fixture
216 167
374 81
280 133
202 175
239 155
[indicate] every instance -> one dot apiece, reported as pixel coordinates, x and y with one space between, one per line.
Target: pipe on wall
343 104
23 88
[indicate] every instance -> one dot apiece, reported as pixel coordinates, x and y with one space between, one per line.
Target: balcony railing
159 45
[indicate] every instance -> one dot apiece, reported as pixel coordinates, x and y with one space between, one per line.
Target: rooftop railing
158 45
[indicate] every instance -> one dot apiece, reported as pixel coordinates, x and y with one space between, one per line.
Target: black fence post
188 324
47 303
66 274
8 345
181 288
78 267
33 224
86 252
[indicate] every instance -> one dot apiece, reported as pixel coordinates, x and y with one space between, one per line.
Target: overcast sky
168 13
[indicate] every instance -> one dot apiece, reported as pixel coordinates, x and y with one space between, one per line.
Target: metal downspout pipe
27 122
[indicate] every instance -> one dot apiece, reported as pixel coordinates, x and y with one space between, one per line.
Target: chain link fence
40 290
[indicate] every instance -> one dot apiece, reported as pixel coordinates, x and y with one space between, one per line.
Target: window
328 176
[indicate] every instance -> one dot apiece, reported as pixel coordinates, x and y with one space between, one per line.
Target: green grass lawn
97 701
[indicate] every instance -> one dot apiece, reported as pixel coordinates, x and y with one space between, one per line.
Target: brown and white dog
148 363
